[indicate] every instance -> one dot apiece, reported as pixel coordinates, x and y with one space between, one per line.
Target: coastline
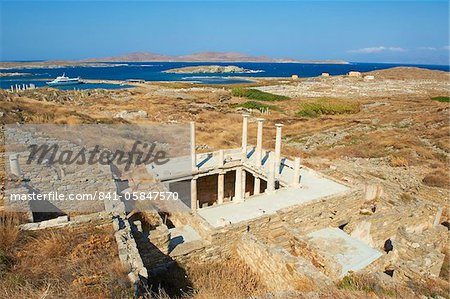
9 65
52 65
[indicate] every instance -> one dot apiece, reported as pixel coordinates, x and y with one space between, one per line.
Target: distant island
51 64
152 57
14 74
209 69
205 57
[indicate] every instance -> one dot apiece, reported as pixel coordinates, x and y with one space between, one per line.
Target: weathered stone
131 114
362 232
279 269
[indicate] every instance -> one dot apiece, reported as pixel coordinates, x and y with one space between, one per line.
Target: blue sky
364 31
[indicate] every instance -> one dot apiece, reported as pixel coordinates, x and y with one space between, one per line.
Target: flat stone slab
350 253
183 240
186 232
314 187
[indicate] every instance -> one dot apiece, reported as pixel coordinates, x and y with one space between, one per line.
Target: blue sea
153 71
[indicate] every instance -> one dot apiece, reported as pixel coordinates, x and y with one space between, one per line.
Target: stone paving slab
350 253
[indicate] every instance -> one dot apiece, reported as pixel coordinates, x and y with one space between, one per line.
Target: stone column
23 86
277 150
193 154
244 182
194 194
271 175
257 185
220 188
244 136
238 185
14 165
12 88
296 177
259 137
221 159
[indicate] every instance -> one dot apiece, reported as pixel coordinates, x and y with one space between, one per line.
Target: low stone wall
330 212
64 221
127 248
279 269
326 212
153 246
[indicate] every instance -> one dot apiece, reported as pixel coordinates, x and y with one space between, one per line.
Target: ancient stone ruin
296 228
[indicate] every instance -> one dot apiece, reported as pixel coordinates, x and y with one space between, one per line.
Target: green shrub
317 107
356 283
256 94
441 99
257 106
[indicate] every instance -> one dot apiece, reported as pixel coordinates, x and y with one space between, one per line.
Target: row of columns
18 87
240 180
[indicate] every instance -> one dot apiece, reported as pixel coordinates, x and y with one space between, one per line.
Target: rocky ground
397 139
392 82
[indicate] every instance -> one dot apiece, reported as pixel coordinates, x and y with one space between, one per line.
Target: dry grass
437 178
9 231
430 288
224 279
79 262
398 161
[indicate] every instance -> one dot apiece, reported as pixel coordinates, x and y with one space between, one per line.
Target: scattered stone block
131 114
354 74
373 192
160 237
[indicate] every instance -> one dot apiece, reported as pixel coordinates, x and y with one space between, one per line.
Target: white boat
64 80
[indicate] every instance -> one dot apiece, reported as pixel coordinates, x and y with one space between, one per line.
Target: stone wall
280 270
65 221
128 251
304 218
60 178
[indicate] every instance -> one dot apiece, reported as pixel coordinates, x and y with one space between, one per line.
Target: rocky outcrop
131 114
209 69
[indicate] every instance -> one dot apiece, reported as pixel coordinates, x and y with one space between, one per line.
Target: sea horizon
299 62
153 71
